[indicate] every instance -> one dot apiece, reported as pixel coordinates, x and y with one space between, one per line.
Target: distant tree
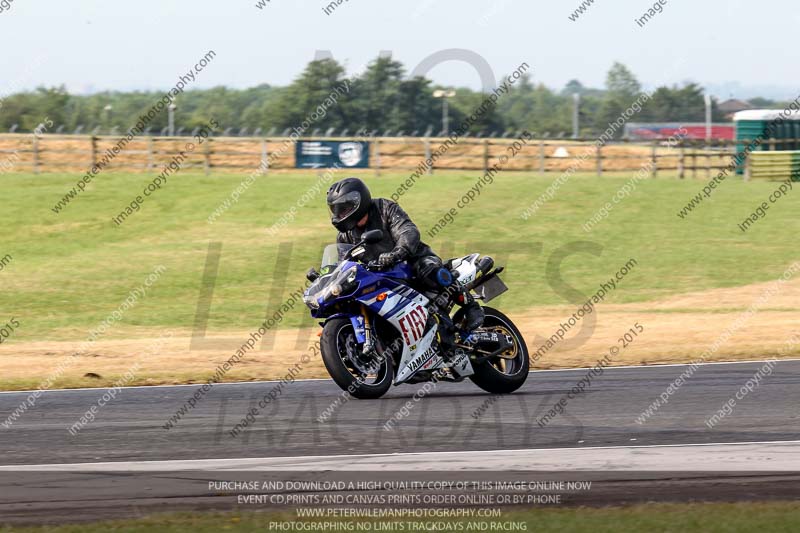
572 87
304 96
621 81
467 103
764 103
380 99
622 91
376 94
677 104
28 110
518 107
416 108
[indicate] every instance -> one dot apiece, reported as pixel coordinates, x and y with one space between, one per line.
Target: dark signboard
329 154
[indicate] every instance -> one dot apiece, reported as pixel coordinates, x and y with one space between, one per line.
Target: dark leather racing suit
399 233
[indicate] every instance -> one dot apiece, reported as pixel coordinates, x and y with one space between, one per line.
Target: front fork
369 339
362 325
365 334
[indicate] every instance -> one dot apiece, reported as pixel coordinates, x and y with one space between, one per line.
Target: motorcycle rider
354 211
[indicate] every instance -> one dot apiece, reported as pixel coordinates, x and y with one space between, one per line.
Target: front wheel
507 372
361 376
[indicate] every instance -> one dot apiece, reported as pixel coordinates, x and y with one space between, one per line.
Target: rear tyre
361 377
502 375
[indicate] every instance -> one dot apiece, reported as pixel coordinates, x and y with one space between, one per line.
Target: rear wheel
362 376
506 372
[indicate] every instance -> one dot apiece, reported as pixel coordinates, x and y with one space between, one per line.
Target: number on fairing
413 324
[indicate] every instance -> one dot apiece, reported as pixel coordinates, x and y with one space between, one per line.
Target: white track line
627 367
161 386
766 456
664 365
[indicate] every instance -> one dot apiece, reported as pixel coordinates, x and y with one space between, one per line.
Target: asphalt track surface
131 426
598 433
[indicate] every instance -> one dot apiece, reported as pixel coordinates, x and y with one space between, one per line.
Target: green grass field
70 270
777 517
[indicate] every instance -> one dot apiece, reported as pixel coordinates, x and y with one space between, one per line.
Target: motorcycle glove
389 259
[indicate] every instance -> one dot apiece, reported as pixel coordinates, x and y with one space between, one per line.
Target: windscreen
331 257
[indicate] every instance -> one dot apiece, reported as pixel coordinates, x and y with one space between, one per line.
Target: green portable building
754 123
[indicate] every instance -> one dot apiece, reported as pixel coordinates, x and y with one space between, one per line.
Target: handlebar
375 266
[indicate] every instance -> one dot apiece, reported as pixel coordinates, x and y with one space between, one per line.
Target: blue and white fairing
405 309
387 295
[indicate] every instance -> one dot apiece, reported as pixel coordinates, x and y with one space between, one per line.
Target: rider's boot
472 311
473 315
449 334
446 332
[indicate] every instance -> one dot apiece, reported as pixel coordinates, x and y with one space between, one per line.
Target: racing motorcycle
379 330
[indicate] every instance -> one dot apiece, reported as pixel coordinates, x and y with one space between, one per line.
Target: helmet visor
343 207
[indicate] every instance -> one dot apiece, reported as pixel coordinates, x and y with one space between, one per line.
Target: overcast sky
92 45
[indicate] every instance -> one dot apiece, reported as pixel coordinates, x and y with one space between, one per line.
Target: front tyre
506 373
362 377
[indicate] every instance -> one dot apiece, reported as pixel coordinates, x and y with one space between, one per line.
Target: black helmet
349 201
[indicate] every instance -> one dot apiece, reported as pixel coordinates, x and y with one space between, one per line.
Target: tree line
380 99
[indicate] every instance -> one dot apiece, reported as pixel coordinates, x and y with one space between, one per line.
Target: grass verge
71 271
